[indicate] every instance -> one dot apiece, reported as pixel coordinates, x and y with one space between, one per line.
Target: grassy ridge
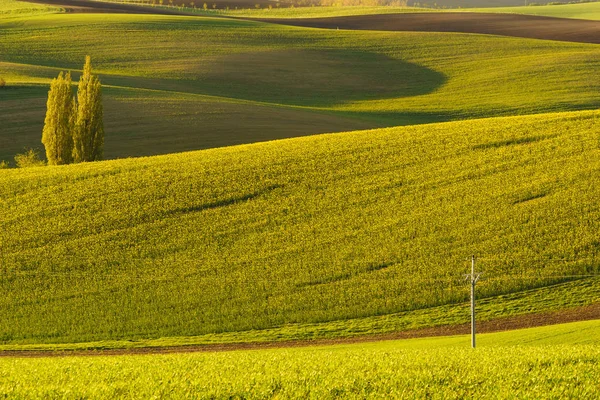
305 230
433 368
173 83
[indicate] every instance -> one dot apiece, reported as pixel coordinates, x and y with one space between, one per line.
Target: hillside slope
303 230
174 84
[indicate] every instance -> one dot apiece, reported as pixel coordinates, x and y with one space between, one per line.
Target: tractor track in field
515 25
584 313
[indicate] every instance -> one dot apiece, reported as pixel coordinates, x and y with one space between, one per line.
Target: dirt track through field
503 324
525 26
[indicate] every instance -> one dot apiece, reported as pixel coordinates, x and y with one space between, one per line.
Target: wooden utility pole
473 277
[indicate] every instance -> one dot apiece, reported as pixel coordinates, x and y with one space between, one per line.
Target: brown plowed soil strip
525 26
86 6
518 322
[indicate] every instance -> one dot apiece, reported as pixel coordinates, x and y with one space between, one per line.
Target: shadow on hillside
139 124
316 77
224 202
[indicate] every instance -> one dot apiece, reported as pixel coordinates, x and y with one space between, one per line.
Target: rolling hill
176 83
305 230
315 252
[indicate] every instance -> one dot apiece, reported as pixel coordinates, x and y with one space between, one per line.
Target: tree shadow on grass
316 77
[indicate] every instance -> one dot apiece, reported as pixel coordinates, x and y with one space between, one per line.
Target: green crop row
298 231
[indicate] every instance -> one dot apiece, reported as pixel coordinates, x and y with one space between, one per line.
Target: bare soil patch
585 313
525 26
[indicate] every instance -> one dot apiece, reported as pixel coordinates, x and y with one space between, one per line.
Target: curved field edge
306 230
432 368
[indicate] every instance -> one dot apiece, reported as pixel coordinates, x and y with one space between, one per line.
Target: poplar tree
88 135
57 135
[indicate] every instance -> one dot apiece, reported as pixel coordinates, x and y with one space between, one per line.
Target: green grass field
12 8
482 145
578 11
173 84
551 362
565 296
306 230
